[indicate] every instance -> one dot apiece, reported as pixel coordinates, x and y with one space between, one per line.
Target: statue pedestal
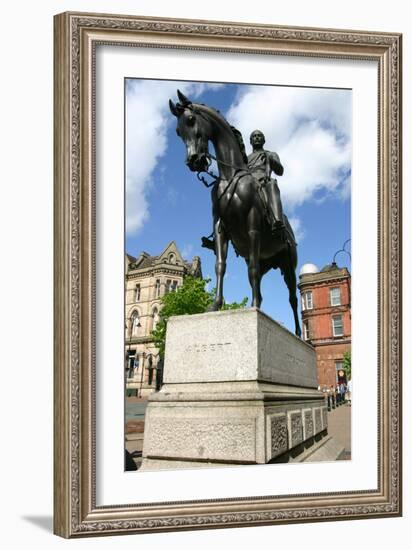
238 389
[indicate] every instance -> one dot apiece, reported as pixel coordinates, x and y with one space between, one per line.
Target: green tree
188 299
347 364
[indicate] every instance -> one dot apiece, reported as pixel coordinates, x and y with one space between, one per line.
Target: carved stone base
232 395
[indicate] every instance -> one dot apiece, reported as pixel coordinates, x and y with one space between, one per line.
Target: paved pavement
135 408
135 412
339 426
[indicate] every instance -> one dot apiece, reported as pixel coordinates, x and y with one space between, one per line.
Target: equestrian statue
246 204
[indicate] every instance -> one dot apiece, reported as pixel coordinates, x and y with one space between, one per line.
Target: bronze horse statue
238 210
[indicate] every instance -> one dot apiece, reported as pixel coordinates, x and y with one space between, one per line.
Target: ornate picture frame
76 512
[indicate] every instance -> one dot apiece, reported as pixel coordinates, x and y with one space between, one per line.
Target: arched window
172 258
135 323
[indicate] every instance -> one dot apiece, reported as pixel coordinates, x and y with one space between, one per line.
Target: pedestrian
342 392
332 395
338 395
350 391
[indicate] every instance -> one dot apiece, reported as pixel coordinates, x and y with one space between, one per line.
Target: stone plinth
238 389
236 345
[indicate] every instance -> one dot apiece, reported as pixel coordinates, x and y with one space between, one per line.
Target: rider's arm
275 164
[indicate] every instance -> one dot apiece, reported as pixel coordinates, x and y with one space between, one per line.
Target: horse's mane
236 132
239 139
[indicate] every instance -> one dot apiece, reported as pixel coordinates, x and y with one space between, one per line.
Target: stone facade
147 279
326 317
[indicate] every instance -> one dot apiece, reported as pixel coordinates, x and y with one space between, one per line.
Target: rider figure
262 163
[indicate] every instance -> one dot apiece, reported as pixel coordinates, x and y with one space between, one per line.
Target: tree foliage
188 299
347 364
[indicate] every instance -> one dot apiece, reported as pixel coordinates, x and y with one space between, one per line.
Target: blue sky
309 128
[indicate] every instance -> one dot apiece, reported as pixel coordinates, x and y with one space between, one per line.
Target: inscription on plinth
204 348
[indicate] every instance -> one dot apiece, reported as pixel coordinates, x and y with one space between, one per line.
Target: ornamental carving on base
278 435
308 423
318 421
324 418
296 428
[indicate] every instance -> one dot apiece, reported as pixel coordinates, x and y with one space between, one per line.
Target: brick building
326 316
147 279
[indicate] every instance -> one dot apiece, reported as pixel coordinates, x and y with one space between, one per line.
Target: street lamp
343 249
142 371
128 367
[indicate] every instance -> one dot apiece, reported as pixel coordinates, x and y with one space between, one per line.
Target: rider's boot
275 206
208 243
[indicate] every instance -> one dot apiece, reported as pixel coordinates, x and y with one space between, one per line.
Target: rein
236 177
210 157
217 178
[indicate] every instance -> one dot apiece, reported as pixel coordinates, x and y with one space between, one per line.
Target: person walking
342 393
350 391
338 396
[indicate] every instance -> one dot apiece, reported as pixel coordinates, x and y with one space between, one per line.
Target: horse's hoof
214 307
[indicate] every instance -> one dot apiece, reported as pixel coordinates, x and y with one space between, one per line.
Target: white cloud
187 251
147 121
309 128
297 228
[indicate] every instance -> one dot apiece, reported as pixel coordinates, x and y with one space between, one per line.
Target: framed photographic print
182 399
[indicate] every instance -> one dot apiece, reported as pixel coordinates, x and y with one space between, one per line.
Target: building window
130 364
337 325
306 331
157 288
307 300
335 296
174 286
137 295
167 287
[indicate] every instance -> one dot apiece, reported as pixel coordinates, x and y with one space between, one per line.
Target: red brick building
326 317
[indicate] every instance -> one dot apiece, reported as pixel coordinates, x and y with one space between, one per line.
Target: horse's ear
173 109
183 99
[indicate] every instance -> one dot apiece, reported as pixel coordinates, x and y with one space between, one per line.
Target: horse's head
194 129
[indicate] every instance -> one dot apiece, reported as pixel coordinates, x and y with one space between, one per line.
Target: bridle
237 175
211 157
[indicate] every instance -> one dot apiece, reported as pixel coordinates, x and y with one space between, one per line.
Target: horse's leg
221 245
255 277
289 276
